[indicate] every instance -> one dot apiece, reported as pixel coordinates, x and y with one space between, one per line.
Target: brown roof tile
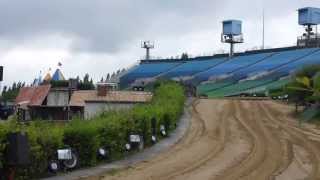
79 98
33 96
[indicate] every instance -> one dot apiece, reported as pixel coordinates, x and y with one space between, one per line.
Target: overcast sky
101 36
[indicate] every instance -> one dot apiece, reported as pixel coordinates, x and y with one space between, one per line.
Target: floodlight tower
147 45
309 17
1 76
232 34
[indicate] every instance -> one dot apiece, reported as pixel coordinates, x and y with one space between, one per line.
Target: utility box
309 16
17 150
232 27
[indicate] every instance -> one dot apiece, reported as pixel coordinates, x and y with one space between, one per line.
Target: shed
45 103
93 102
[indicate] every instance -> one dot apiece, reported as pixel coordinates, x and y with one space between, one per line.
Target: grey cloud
108 25
98 25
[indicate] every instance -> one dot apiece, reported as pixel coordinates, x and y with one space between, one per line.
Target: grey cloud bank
100 36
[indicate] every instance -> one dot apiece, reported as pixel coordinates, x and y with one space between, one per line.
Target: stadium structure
234 74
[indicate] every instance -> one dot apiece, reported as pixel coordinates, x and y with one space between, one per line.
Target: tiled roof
32 96
79 98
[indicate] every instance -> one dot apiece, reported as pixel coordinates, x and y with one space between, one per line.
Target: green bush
109 129
83 137
44 139
59 83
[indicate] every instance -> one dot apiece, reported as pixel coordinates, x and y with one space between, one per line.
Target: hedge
109 129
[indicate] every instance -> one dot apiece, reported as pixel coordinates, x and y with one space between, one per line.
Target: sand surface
235 139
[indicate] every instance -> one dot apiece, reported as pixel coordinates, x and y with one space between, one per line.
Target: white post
263 31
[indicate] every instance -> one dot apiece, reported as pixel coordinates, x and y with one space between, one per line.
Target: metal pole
231 50
0 88
317 35
263 31
308 35
148 53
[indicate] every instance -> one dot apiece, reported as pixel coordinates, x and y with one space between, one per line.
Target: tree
86 84
86 78
305 87
10 93
184 56
4 90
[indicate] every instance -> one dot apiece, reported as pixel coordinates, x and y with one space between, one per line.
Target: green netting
237 88
204 88
278 84
273 85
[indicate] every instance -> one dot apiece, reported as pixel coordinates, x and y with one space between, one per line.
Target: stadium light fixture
232 34
147 45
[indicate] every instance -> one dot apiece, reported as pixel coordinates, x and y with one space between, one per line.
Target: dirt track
232 139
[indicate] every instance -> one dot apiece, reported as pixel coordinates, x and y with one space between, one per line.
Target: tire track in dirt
221 133
296 137
194 132
262 159
274 146
235 147
208 139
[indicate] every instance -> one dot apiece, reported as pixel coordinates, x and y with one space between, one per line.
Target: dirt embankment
234 139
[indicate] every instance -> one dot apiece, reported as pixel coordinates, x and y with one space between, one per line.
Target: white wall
92 109
58 98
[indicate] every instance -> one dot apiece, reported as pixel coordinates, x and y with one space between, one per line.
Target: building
64 103
45 103
105 98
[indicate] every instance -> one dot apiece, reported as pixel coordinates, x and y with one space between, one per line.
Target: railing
312 40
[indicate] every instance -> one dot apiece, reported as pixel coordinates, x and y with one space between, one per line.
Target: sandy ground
234 139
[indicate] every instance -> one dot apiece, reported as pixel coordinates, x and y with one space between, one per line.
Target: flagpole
263 32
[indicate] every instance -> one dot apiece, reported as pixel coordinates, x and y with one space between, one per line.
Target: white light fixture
54 166
163 133
64 154
102 152
163 130
153 139
128 147
135 139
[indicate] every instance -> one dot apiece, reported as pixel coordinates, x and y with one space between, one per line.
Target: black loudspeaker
1 73
18 150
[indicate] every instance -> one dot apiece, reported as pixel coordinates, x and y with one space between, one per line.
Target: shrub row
109 129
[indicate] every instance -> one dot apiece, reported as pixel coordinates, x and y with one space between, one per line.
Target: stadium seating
190 68
275 61
205 88
261 89
238 87
146 70
219 76
282 63
231 66
312 59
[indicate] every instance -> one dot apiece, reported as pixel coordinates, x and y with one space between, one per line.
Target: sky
101 36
